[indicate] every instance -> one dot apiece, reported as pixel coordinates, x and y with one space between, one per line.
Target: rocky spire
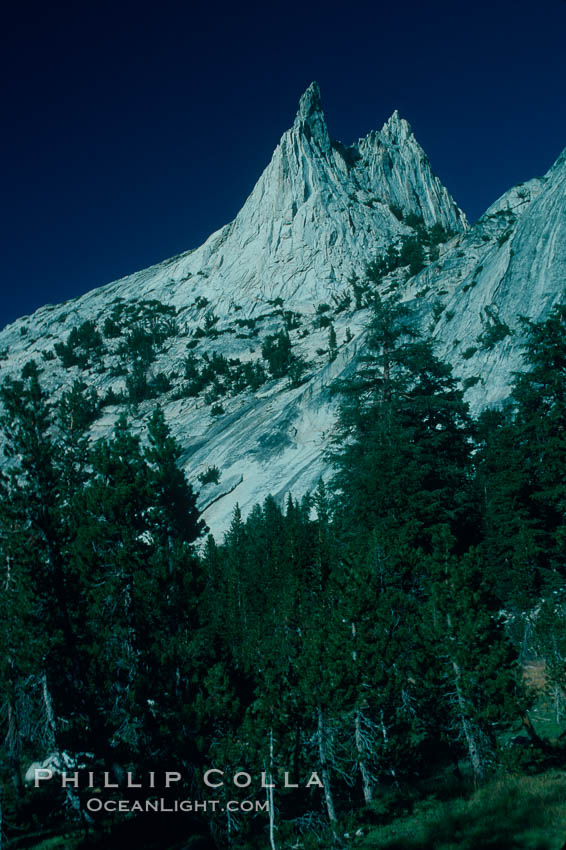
396 129
310 121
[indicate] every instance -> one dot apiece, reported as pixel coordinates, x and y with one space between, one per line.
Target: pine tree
405 439
406 509
176 501
277 350
475 663
141 584
541 422
512 543
37 498
36 526
20 638
538 432
332 343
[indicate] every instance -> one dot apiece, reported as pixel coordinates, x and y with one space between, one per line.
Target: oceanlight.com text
96 804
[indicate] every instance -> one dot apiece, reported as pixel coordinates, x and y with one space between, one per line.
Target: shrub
296 371
111 398
160 384
219 364
85 336
210 321
291 320
470 382
276 349
322 322
111 329
438 234
246 323
80 406
137 385
359 289
342 303
216 391
382 265
494 333
66 355
211 475
118 370
332 343
414 220
249 374
412 255
139 344
30 369
186 390
191 367
83 343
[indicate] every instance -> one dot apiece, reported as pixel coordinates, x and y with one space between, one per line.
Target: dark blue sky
133 131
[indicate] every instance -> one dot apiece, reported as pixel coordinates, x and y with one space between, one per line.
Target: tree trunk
13 737
472 744
13 742
229 826
71 793
366 778
367 784
324 770
51 725
269 794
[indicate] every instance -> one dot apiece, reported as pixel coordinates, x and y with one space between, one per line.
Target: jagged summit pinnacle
310 117
396 128
319 212
310 101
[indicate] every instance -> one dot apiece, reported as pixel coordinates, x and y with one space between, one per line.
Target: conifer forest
385 657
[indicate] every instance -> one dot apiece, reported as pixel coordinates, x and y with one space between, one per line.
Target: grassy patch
526 813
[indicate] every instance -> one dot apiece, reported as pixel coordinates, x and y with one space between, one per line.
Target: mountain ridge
294 260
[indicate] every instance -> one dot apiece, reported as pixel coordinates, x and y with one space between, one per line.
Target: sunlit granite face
317 215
